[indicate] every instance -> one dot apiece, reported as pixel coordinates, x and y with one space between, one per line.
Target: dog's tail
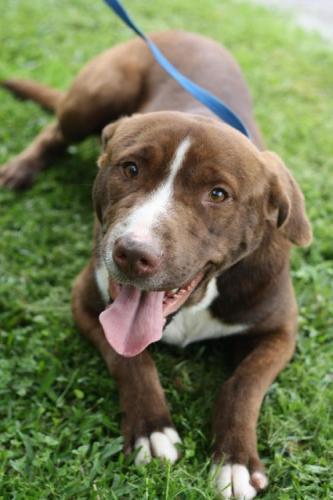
47 97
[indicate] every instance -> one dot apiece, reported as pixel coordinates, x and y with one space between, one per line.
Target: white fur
241 482
145 217
102 281
222 479
260 479
172 434
162 447
158 444
196 323
143 456
233 480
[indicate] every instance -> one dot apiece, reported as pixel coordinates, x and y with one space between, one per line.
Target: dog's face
180 198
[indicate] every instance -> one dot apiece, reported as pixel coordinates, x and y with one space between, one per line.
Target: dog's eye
218 194
130 170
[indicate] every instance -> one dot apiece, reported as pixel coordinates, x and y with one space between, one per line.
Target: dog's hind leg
21 171
109 86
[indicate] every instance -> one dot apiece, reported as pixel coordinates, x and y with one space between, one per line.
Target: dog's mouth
136 317
172 299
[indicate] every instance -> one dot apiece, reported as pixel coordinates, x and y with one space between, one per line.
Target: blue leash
199 93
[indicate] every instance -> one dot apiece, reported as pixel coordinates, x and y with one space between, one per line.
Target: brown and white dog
194 225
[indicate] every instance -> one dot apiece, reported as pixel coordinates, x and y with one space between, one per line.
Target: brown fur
27 89
246 244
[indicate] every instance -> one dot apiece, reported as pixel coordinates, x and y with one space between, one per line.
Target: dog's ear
285 205
107 134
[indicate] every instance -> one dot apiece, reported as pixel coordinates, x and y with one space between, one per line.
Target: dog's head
180 198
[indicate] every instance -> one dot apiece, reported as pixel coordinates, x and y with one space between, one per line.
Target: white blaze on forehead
143 218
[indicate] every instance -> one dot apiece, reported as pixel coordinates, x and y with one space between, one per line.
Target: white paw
234 480
158 444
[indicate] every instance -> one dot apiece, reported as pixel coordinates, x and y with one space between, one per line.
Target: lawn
59 411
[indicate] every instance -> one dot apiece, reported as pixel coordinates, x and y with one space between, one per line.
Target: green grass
59 411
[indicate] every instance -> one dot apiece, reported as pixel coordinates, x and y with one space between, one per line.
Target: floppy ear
286 202
99 193
107 134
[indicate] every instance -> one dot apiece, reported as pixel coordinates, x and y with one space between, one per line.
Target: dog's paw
17 174
235 481
159 444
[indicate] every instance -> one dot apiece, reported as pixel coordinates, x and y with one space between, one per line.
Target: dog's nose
135 258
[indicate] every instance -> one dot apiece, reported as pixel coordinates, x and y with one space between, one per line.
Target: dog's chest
196 323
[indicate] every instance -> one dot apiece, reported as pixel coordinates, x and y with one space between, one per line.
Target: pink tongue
133 321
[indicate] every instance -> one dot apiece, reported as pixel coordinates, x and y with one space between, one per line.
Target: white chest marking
196 323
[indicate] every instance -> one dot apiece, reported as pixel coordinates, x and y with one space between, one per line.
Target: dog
193 229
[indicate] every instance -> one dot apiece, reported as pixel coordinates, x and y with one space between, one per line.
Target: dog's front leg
238 471
146 424
146 421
